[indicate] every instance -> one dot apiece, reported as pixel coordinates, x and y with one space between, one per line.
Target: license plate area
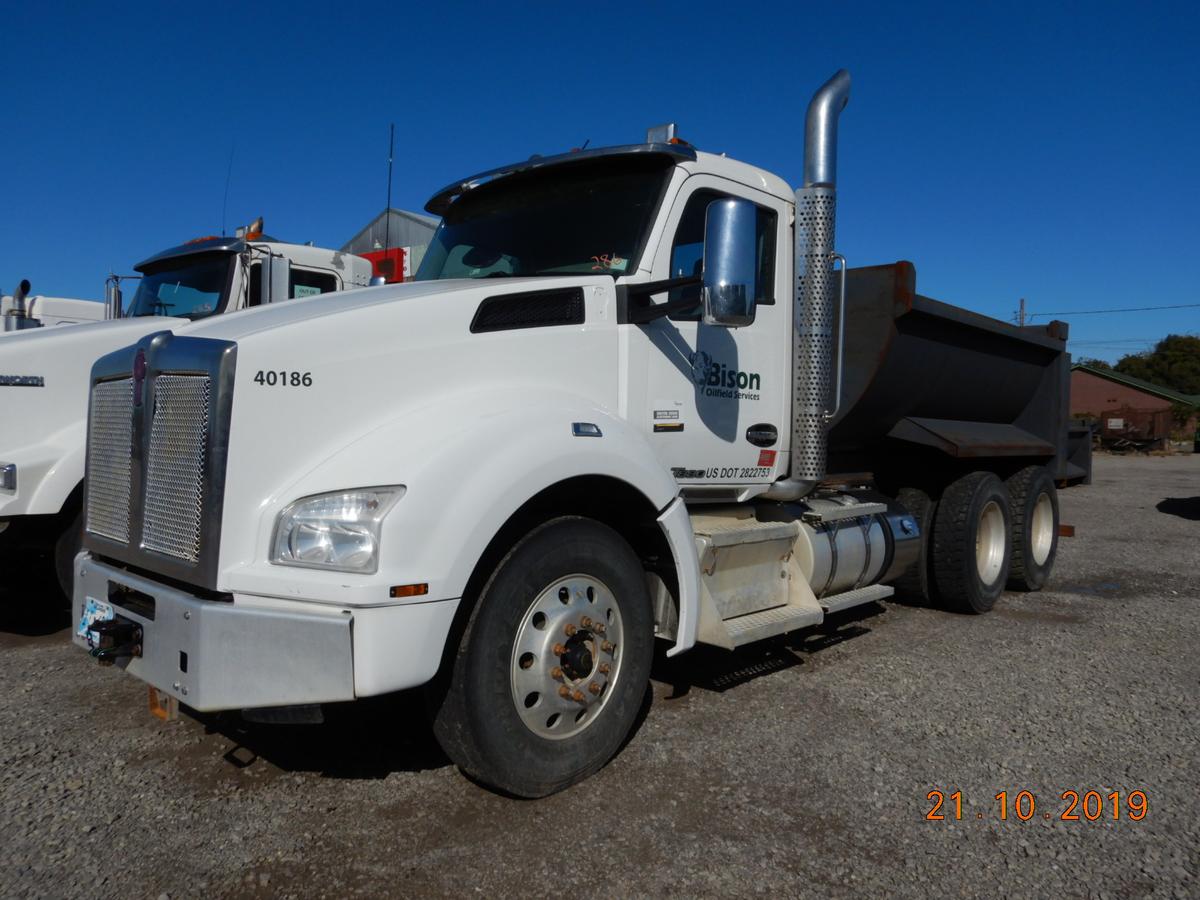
108 636
93 611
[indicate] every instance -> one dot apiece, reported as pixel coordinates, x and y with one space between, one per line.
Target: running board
841 513
769 622
838 602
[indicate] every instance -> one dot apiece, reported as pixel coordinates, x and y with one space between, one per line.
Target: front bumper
264 651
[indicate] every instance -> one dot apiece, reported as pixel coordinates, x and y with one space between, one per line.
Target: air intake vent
175 466
533 309
110 429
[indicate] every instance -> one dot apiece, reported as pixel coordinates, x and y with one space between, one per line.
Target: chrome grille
174 504
110 433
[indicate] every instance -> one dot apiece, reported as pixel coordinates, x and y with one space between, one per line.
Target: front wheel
69 543
554 664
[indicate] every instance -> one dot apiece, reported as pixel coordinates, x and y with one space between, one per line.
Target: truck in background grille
109 459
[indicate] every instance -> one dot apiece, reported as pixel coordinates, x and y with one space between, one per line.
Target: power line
1133 341
1096 312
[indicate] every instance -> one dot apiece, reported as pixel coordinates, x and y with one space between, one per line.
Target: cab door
716 398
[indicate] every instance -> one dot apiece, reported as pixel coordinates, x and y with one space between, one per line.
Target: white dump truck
22 311
44 371
618 404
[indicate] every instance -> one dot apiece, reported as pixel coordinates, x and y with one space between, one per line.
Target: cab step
838 602
839 513
769 622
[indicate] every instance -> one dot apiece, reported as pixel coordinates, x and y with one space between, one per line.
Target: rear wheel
553 666
1034 528
971 542
915 582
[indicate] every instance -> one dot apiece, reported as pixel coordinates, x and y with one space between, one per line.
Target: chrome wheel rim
566 658
1041 529
991 543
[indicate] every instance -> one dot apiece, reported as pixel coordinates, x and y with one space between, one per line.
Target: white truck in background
44 371
628 397
21 311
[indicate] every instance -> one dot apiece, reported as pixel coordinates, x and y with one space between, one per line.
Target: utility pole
1021 314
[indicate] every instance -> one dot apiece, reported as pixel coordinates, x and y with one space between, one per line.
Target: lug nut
556 672
594 688
564 691
558 649
604 668
585 622
577 696
607 647
570 629
598 628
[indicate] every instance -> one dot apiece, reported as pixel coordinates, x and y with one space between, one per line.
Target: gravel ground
800 767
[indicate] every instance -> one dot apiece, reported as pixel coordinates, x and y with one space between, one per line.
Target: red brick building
1129 409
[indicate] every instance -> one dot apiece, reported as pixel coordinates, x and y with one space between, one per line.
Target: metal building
395 229
1131 412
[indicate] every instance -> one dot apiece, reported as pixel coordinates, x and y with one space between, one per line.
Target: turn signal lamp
409 590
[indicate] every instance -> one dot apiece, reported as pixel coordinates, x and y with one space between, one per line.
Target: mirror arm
639 315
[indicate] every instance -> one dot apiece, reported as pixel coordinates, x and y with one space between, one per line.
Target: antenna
228 175
387 209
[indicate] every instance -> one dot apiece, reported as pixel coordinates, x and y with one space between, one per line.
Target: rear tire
1034 528
572 584
972 538
915 583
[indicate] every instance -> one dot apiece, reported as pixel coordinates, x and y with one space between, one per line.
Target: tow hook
117 638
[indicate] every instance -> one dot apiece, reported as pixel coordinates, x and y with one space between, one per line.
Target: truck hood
372 386
372 303
44 374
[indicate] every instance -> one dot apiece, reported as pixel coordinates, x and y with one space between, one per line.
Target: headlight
338 531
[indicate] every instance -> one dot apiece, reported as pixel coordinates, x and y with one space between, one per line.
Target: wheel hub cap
991 543
566 656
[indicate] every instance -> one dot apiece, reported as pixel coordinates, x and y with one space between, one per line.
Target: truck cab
630 397
21 313
213 275
43 391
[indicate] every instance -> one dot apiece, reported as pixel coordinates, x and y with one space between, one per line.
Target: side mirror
276 274
729 262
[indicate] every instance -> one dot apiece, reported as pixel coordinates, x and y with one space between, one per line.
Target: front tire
553 666
1034 528
972 537
69 543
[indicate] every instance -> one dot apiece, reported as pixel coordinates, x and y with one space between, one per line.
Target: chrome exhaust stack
814 313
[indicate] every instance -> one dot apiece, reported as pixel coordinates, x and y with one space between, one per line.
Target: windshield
586 217
192 287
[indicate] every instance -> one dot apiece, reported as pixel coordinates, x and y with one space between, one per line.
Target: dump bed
924 375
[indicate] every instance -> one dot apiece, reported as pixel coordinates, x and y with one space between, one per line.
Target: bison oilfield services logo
716 379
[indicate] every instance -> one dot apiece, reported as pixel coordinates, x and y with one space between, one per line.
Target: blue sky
1045 151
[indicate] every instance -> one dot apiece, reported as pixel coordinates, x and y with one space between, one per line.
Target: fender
464 479
46 473
64 475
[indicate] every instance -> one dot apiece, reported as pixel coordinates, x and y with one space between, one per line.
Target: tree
1173 363
1093 363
